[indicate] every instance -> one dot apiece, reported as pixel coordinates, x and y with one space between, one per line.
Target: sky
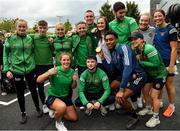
54 11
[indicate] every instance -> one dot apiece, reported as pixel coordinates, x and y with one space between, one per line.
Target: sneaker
177 61
132 123
139 102
145 111
111 107
118 106
88 112
39 113
45 109
23 118
103 110
169 112
60 126
51 113
152 122
3 93
82 108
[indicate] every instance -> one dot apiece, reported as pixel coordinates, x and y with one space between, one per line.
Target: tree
67 26
7 25
106 11
33 30
132 10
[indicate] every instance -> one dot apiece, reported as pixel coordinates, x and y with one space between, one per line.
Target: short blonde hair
146 14
59 24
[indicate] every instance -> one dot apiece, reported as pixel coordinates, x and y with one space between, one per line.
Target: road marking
14 100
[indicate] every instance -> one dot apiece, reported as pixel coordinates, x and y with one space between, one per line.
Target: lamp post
59 18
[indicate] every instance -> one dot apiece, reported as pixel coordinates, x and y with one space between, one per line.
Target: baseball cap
136 35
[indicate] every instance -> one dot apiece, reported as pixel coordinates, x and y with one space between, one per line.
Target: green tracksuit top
60 83
18 55
82 47
62 44
123 29
43 51
152 62
93 83
89 29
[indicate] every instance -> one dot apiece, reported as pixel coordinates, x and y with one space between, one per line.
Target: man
133 77
89 18
93 88
123 26
43 56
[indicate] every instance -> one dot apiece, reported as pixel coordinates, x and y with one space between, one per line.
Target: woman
18 62
102 27
62 79
165 41
61 43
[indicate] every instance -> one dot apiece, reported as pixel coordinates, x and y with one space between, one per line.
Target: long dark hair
106 28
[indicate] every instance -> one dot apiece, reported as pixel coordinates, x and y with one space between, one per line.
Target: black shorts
138 83
158 84
67 100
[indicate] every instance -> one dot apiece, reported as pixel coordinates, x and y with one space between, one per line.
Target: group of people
107 62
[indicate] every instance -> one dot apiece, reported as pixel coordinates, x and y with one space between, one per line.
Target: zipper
23 56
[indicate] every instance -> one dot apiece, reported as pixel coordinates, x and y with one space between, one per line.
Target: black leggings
20 88
40 69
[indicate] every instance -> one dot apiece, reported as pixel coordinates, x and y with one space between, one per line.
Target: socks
172 106
156 115
148 107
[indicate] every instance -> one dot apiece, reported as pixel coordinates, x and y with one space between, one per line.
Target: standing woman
18 62
102 27
165 41
61 42
62 80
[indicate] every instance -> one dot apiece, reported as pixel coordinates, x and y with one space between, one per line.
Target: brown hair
87 11
42 23
161 11
65 53
81 22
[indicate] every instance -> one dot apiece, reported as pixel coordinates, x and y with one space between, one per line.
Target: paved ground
9 117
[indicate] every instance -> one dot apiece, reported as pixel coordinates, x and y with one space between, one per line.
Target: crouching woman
62 80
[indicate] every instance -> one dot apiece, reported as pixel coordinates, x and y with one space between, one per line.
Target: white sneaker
103 110
3 93
111 107
139 102
60 126
152 122
145 111
88 112
82 108
177 61
51 113
45 109
118 106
